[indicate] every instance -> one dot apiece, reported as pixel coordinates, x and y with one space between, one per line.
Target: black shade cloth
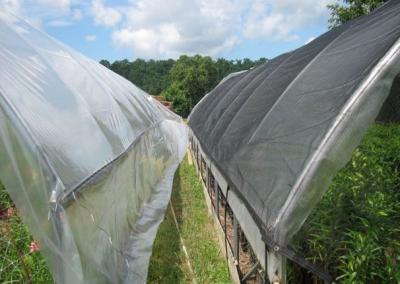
279 132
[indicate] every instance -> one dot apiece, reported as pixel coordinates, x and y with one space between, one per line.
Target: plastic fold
87 157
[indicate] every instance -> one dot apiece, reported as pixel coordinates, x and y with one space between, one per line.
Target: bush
354 232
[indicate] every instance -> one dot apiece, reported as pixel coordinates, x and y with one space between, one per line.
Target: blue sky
234 29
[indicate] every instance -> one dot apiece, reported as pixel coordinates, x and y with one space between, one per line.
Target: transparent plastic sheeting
280 131
87 157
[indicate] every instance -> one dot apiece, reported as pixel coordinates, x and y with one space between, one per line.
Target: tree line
183 81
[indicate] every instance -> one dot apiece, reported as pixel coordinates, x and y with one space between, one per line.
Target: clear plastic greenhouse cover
280 131
87 157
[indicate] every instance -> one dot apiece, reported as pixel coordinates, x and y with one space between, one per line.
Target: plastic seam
68 195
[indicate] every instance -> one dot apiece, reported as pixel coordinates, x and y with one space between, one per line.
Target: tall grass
354 232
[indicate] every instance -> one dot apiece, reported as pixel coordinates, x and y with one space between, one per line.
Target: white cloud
61 5
17 8
104 16
39 13
58 23
11 6
168 28
77 15
90 37
280 20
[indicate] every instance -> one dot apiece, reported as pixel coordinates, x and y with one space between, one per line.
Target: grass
197 232
168 263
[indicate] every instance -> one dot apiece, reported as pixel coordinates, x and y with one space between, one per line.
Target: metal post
208 181
201 167
266 277
236 240
196 152
216 192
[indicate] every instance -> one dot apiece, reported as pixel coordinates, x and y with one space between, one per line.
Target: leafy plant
354 232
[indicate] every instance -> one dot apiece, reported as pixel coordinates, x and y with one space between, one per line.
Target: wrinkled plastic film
87 157
29 182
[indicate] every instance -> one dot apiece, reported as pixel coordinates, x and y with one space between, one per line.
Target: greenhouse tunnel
87 157
278 133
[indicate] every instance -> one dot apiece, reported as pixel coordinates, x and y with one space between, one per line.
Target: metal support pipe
201 169
196 152
236 239
266 276
216 192
209 181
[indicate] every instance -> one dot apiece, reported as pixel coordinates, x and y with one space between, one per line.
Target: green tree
351 9
121 67
224 67
192 78
152 76
106 63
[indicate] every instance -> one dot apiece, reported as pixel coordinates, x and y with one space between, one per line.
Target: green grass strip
168 264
